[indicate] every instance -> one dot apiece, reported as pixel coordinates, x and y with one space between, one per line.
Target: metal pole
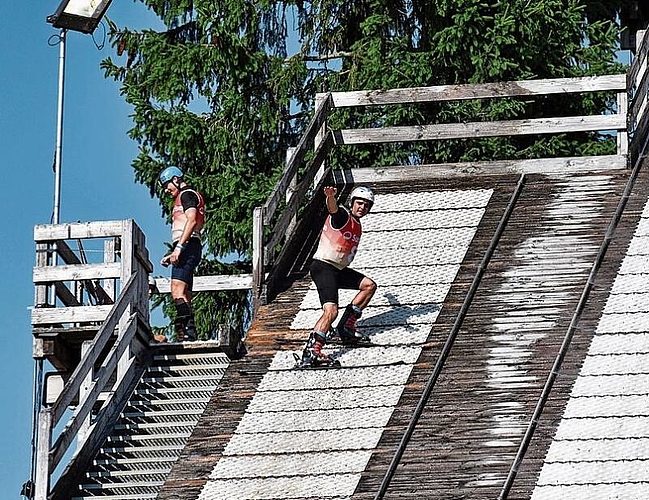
59 131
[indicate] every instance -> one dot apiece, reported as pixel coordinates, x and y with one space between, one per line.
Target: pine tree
229 85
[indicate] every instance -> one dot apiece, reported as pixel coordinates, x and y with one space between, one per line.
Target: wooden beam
210 283
77 272
480 129
479 91
65 295
81 314
308 138
547 166
79 230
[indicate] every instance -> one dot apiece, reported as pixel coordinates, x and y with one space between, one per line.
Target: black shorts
329 279
188 259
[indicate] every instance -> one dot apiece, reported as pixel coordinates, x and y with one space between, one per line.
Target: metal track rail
450 340
567 340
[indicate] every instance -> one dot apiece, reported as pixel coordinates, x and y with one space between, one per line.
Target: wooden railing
638 86
272 223
109 336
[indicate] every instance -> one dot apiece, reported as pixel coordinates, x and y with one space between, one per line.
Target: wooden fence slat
478 91
545 166
308 138
210 283
79 314
80 230
480 129
76 272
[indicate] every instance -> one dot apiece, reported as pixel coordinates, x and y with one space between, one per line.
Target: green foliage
222 93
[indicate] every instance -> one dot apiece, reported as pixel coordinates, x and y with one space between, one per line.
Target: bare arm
330 200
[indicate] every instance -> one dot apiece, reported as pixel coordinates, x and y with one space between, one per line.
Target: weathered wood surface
210 283
76 272
546 166
478 91
79 230
470 430
58 315
480 129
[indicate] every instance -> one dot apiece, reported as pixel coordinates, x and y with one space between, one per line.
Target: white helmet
362 192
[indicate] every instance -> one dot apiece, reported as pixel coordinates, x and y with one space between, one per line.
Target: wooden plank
79 314
43 465
308 138
480 129
210 283
65 295
76 272
78 230
87 401
639 64
545 166
479 91
638 101
99 342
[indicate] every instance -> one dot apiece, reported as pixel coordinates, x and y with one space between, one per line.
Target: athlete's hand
330 191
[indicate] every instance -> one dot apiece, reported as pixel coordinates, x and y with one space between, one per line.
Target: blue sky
97 183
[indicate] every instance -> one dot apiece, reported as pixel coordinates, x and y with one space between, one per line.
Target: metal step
154 427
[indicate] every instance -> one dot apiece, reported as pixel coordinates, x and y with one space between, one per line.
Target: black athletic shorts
329 279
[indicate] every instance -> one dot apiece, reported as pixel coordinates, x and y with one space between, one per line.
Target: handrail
450 340
466 91
267 242
309 136
82 370
638 88
263 252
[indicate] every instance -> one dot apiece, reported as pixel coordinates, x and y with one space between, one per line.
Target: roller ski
313 357
346 332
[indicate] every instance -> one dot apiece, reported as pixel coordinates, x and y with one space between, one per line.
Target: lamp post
75 15
82 16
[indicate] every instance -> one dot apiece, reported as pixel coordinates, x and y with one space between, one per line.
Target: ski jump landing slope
272 432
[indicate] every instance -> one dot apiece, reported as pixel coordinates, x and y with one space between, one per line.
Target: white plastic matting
533 292
601 449
311 433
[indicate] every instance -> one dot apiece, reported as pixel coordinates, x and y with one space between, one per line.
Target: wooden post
109 258
83 394
622 135
128 263
257 256
289 194
43 259
322 133
42 473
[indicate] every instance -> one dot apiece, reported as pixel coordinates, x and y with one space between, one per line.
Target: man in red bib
187 220
330 272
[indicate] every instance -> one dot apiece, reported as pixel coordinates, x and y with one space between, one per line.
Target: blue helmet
169 173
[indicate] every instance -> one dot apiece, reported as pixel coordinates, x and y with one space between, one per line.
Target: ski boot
312 355
346 330
184 323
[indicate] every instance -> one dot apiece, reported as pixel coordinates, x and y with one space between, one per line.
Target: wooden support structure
274 223
76 308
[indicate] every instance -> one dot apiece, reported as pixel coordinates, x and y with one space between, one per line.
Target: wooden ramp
271 432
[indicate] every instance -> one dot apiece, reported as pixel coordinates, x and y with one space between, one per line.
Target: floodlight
79 15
